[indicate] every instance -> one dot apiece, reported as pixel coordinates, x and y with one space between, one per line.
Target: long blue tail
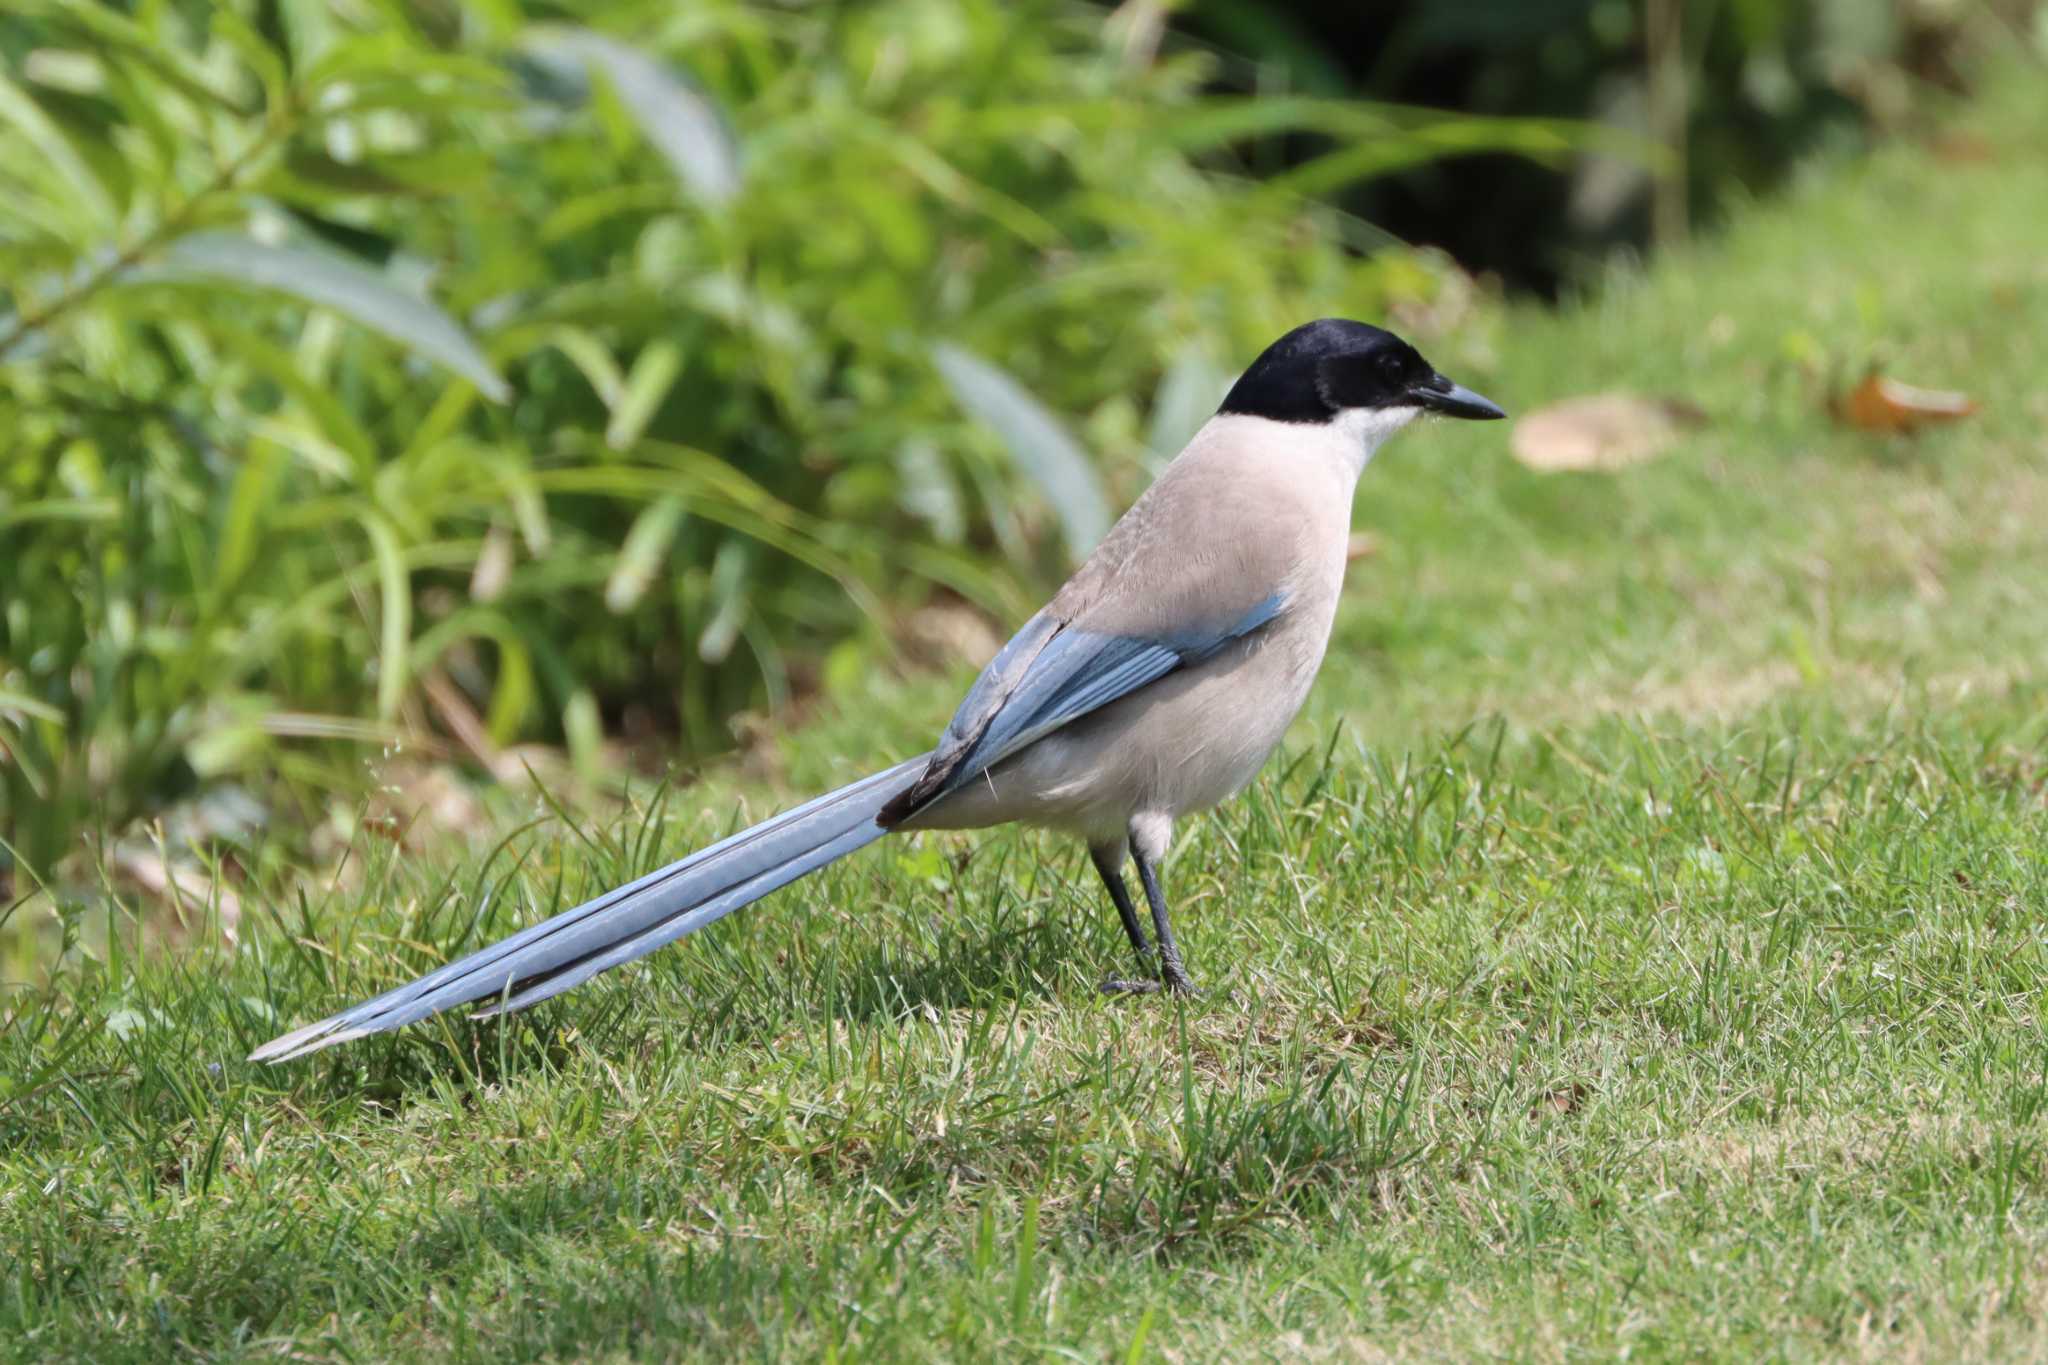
625 923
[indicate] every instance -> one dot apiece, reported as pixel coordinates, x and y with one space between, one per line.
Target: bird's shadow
963 970
1016 952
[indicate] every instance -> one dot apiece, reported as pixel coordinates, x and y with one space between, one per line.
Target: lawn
1638 948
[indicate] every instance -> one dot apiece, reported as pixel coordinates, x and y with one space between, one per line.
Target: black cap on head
1329 366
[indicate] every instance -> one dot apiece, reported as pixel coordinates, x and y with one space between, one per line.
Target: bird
1152 686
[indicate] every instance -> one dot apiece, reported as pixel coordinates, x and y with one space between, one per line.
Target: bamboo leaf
684 126
493 565
654 372
642 552
583 727
264 60
1037 441
529 506
514 694
729 579
254 489
331 281
326 411
593 359
58 509
112 34
394 615
42 133
29 706
1188 393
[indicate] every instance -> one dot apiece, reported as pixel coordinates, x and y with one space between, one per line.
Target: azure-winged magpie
1154 684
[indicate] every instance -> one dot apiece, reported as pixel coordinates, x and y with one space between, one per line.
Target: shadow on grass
965 971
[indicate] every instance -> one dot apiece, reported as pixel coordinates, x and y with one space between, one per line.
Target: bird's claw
1179 986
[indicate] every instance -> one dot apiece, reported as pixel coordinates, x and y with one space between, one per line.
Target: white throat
1360 432
1341 446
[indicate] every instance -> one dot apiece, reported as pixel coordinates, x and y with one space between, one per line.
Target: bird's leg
1109 865
1171 973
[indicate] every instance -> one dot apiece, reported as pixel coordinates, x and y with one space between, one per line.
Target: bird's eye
1391 366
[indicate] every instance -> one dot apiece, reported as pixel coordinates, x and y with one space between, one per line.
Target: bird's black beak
1439 394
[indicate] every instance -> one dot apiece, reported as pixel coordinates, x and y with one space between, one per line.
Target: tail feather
627 922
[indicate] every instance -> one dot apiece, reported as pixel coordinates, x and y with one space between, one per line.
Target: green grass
1639 950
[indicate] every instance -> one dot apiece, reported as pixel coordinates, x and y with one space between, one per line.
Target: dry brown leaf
1960 147
1601 431
1881 404
1567 1100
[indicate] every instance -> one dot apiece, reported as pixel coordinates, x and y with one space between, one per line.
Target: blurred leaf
1228 118
253 489
265 61
493 566
728 602
1550 141
1035 439
394 615
654 370
641 554
115 35
683 126
1886 405
929 491
583 727
1601 431
944 179
231 746
311 28
29 706
59 509
594 359
320 278
335 422
513 698
1189 393
42 134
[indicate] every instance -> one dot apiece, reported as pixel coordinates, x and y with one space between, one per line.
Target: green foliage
368 366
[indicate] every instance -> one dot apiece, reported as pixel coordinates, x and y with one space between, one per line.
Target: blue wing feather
1048 676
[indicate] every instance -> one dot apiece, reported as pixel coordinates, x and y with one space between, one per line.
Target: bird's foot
1173 985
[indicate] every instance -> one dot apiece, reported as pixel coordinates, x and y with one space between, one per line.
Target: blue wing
1050 674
